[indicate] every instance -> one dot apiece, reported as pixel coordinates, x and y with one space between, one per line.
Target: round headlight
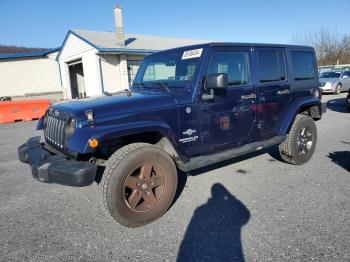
316 93
70 127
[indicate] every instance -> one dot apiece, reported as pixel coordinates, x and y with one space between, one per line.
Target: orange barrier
26 110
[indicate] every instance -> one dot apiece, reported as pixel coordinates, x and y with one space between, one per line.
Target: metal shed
25 74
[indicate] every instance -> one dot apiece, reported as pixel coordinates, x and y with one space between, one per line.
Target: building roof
29 54
107 41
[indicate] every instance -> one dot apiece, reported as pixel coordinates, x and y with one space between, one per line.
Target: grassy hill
11 49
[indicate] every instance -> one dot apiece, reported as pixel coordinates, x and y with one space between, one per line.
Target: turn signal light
93 143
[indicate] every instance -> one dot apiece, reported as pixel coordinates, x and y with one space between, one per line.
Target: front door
228 119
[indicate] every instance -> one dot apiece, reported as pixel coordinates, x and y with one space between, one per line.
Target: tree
5 49
331 47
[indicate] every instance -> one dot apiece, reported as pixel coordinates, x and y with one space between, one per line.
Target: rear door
273 90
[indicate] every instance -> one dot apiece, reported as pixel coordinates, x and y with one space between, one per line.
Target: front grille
54 131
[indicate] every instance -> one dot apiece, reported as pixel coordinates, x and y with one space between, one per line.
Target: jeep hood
120 103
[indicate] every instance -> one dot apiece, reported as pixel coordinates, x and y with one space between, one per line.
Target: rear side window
234 64
271 66
303 65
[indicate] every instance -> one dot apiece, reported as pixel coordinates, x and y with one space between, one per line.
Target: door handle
250 96
283 92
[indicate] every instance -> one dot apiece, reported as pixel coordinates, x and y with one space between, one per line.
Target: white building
92 63
26 74
88 63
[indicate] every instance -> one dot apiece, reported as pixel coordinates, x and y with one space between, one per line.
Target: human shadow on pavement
214 233
341 158
338 105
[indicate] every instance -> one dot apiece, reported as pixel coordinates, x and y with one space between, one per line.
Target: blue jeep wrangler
187 108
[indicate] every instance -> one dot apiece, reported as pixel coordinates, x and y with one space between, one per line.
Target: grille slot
54 131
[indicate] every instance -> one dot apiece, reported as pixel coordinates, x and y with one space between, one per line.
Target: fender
39 125
78 142
294 109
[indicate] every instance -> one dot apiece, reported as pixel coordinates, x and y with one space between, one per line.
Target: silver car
335 82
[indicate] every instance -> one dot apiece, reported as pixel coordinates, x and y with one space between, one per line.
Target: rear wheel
301 140
139 184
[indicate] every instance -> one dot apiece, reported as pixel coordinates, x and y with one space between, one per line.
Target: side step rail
206 160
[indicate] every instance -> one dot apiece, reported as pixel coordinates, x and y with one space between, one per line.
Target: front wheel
138 184
301 140
338 89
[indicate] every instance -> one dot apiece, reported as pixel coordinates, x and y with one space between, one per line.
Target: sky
45 23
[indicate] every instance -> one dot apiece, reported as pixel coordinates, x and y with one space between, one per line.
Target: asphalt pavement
254 208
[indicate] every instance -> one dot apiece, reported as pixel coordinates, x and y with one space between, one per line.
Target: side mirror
344 76
216 81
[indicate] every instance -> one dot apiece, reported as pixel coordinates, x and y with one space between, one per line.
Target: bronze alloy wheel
144 187
139 184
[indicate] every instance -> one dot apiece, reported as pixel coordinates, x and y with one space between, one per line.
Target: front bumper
51 167
328 88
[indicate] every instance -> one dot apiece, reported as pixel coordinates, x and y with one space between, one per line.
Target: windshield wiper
164 85
157 83
139 84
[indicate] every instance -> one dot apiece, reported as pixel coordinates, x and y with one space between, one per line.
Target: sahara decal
189 132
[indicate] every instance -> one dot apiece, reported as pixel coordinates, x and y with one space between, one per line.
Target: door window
271 66
304 66
234 64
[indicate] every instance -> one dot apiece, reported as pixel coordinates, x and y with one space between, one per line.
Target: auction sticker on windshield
192 53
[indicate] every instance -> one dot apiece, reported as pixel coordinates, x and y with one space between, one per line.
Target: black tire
144 201
297 149
5 98
338 89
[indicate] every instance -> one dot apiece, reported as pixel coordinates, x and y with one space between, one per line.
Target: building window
133 66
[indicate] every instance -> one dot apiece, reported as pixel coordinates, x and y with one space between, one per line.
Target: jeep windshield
173 68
